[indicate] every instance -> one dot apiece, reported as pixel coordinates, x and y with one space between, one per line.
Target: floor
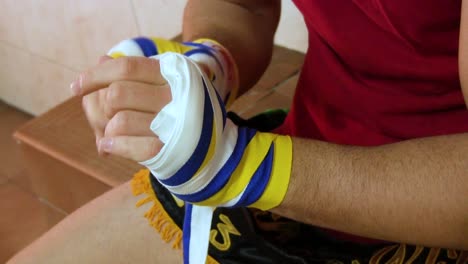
24 216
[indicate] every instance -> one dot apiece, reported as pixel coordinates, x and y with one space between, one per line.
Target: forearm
245 28
414 191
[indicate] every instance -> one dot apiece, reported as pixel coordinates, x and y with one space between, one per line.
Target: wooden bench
59 147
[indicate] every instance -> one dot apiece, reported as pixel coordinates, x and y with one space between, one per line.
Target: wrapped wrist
207 160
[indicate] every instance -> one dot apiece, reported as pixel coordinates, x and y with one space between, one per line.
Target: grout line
132 7
4 182
46 202
244 110
285 80
11 45
270 91
11 180
33 194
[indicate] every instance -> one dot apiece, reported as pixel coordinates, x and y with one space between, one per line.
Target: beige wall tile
71 32
161 18
32 83
288 88
272 101
12 23
292 32
75 32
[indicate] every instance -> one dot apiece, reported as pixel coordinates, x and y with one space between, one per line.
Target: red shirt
379 71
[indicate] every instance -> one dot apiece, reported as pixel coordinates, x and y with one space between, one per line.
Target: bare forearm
246 28
414 191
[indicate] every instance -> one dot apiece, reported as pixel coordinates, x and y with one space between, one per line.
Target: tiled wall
45 43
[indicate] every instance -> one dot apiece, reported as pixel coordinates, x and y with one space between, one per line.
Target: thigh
109 229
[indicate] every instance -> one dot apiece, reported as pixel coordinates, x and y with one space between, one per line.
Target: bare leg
109 229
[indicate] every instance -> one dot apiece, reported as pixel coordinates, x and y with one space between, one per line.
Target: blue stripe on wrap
223 108
227 96
187 231
222 177
147 46
198 156
259 180
202 51
207 51
199 46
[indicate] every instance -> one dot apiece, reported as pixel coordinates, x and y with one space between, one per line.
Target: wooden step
60 151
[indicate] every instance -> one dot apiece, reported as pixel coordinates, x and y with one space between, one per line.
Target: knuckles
92 111
126 66
129 68
115 97
118 125
85 103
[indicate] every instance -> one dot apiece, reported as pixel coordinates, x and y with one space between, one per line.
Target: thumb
134 148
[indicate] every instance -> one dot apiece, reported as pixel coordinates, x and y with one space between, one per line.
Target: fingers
132 123
125 95
94 112
134 148
120 98
103 59
137 69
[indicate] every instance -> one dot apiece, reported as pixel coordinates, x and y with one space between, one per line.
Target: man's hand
120 98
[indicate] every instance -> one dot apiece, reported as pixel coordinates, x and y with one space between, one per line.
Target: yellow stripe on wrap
201 40
164 45
117 54
280 175
253 156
